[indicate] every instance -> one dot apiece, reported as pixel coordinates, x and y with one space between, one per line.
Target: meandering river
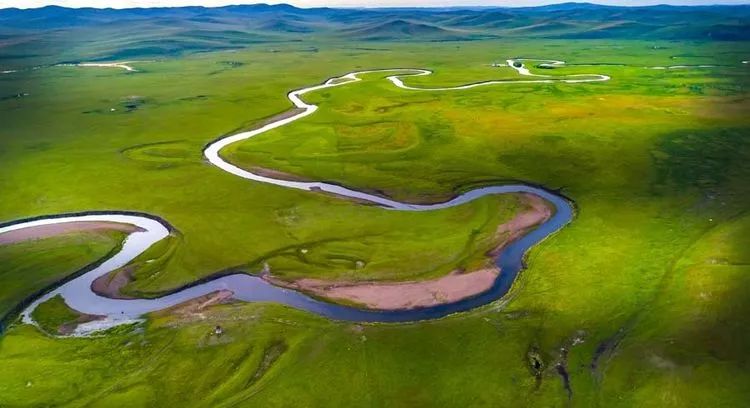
78 294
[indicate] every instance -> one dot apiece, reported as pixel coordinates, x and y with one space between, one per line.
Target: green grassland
52 315
29 267
639 301
223 221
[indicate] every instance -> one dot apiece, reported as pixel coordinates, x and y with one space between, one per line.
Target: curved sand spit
122 65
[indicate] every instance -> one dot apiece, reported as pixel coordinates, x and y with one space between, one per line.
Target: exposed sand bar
403 295
416 294
539 211
122 65
51 230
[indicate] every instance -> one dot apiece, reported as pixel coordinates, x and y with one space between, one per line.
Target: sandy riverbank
416 294
51 230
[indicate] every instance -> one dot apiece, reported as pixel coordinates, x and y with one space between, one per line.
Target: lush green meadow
640 301
30 267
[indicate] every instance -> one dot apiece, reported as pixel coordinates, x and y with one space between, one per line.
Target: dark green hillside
406 30
135 33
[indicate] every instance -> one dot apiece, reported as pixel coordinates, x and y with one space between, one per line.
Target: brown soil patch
46 231
109 285
70 327
269 119
447 289
275 174
406 295
199 304
539 211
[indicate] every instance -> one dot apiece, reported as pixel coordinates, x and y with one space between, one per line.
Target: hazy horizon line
439 4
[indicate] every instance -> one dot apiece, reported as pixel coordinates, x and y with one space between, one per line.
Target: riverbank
456 286
51 230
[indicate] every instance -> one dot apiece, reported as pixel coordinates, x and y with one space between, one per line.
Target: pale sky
340 3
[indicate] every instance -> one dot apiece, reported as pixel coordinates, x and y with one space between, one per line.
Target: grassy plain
29 267
636 300
149 150
53 314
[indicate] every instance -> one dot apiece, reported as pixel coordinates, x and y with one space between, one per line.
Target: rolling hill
57 33
405 30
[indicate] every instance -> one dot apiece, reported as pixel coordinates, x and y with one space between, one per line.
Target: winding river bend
78 294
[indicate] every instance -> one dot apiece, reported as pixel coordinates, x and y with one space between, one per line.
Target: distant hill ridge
167 31
565 20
